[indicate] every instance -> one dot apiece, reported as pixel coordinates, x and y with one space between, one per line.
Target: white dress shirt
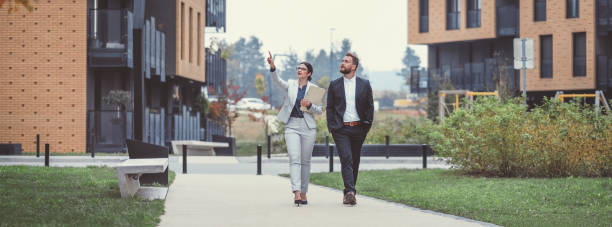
350 114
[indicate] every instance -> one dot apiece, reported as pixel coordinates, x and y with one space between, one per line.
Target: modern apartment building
59 62
471 41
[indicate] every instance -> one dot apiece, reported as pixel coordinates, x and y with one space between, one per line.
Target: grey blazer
290 90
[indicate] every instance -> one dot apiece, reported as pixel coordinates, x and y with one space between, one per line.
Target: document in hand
314 95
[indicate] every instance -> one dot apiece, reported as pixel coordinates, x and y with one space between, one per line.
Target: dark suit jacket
336 103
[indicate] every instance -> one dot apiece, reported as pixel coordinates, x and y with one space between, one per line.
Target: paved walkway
250 200
224 191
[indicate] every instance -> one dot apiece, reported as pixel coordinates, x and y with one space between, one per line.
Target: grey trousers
300 141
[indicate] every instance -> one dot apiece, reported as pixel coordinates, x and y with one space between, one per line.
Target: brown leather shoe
345 199
350 199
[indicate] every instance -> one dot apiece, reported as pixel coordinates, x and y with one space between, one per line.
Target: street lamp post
331 51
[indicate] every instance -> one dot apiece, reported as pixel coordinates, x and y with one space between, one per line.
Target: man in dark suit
350 111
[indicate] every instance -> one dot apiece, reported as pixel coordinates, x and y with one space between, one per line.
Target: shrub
504 139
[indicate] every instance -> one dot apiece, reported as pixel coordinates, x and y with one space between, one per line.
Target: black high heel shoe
304 202
297 202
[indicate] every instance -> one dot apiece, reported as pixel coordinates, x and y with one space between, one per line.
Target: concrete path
250 200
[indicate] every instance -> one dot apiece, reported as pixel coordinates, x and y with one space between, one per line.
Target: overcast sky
378 31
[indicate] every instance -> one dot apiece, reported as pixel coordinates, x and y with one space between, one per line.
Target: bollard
37 145
327 144
387 146
258 159
93 153
269 146
46 154
184 158
424 148
331 159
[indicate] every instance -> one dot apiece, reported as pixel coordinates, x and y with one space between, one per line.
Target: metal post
596 103
424 149
93 152
524 60
387 146
269 146
327 144
46 154
331 159
37 145
184 158
258 159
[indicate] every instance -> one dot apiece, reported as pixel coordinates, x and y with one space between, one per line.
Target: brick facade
43 75
556 24
561 28
185 67
437 23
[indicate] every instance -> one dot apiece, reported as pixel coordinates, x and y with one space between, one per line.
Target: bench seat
129 172
195 147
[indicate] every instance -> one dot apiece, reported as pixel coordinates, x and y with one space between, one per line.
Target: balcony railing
110 38
215 72
215 14
473 18
604 16
507 21
423 24
476 76
452 21
604 72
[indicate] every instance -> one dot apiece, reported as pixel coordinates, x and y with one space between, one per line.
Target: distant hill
385 80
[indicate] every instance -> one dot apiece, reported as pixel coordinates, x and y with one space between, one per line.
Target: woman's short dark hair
309 66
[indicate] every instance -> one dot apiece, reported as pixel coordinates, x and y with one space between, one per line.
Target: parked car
252 104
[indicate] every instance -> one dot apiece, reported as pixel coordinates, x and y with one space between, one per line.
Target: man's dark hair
309 66
355 59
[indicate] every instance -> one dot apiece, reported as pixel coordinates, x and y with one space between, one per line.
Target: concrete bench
195 147
130 170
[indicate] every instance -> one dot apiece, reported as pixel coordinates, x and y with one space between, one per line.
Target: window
473 13
199 40
423 15
546 56
539 10
573 8
190 34
182 30
580 54
452 14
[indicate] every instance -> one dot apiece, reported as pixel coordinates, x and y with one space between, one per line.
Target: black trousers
349 140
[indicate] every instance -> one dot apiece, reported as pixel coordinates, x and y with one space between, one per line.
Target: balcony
215 72
604 16
475 76
507 21
110 38
215 14
452 20
473 18
604 72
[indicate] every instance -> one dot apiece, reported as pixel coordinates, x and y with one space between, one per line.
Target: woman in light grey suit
300 126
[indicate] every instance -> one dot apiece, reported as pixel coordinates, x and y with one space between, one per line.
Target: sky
378 31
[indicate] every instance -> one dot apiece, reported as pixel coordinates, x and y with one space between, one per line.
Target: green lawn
33 196
502 201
